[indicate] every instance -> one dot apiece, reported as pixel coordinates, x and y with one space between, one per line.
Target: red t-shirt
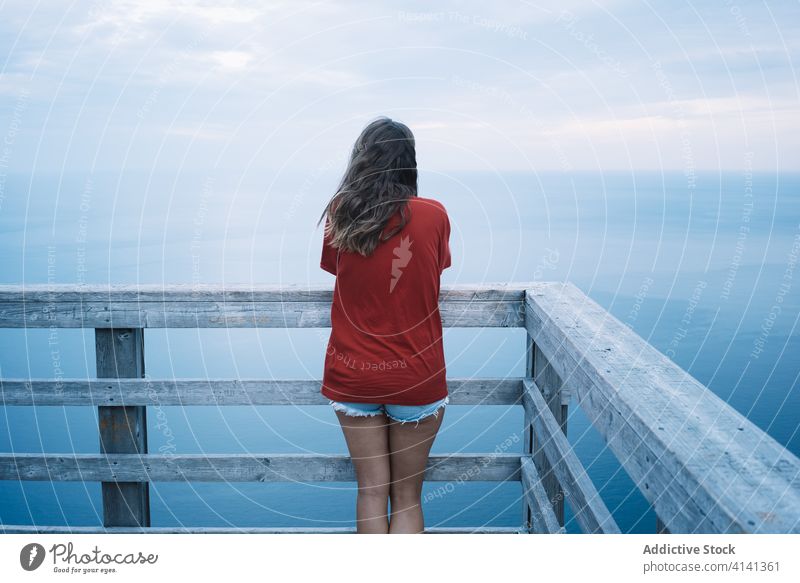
386 330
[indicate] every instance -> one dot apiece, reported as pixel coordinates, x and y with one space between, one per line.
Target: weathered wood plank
123 429
703 465
542 518
170 314
627 443
40 529
228 292
489 467
527 435
550 385
588 507
220 392
661 527
228 306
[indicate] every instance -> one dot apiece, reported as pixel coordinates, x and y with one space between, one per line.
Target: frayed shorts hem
400 413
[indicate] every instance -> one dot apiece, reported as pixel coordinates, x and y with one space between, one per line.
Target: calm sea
703 266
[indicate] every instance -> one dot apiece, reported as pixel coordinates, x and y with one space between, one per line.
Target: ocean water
703 266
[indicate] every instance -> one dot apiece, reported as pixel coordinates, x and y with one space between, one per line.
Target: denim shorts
402 413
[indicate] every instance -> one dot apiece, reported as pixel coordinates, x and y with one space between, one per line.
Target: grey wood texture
219 392
550 385
39 529
249 467
702 465
123 429
218 306
542 518
527 436
587 506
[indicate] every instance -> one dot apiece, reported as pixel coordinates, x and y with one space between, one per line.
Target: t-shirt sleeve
444 245
329 254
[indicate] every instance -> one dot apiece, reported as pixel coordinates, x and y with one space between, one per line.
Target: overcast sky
266 86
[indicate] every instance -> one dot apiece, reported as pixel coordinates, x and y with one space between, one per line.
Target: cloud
233 60
291 76
136 16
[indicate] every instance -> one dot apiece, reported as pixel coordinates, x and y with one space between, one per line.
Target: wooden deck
703 466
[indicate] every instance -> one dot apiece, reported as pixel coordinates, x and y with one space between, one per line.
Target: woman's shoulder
429 203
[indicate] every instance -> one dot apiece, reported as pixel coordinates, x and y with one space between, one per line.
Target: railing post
120 354
661 528
549 384
527 433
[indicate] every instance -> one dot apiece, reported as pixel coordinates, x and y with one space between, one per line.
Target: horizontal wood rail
190 306
703 466
242 467
110 392
36 529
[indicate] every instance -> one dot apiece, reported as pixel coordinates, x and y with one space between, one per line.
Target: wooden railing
703 466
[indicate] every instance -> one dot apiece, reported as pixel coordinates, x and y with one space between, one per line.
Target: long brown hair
380 178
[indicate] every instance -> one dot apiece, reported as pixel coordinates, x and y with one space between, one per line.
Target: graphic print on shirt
402 256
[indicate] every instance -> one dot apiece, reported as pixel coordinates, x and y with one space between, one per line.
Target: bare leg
410 443
367 439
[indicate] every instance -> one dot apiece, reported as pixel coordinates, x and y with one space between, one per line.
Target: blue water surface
703 266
